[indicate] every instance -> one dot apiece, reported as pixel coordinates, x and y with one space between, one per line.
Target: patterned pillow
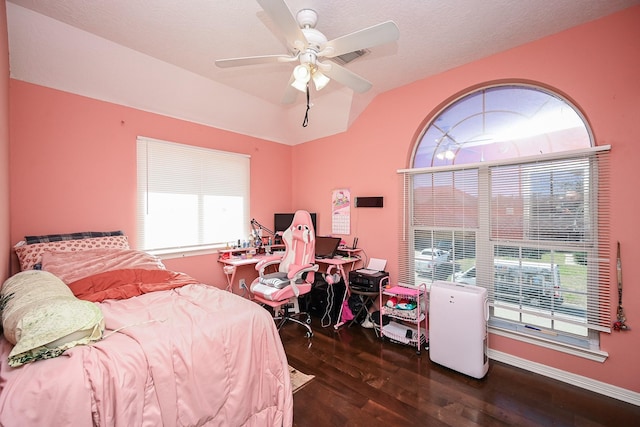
42 317
70 236
30 255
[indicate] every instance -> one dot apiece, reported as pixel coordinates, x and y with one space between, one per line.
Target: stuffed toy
405 304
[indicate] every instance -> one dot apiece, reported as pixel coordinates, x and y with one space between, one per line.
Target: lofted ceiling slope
158 55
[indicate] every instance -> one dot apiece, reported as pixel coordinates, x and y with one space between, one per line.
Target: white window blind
190 197
441 212
533 231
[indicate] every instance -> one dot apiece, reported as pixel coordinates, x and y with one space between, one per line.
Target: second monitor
282 221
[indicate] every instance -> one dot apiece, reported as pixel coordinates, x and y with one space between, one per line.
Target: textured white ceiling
158 55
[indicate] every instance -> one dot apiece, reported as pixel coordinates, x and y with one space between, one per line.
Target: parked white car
531 282
428 259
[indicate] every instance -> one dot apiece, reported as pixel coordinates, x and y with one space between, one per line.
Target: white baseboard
567 377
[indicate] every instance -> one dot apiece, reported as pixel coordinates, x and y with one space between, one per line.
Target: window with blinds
534 232
509 191
190 198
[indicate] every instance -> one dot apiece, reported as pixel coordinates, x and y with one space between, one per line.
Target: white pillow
42 317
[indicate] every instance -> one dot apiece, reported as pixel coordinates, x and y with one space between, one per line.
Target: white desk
339 264
342 264
231 265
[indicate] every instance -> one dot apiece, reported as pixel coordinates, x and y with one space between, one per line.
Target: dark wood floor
364 381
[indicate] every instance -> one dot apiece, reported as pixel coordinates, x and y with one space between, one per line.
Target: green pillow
42 317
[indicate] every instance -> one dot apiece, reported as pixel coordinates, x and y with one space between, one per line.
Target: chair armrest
298 270
264 263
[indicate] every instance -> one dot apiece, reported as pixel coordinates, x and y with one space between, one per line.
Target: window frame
196 173
588 347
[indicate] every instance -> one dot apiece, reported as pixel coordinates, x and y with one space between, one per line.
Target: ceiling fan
313 51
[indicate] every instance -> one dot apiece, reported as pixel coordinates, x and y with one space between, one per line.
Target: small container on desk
233 252
407 308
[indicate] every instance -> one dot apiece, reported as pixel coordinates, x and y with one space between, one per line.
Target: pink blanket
192 355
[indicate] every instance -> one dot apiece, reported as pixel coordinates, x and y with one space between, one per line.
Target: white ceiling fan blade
368 37
254 60
286 22
345 77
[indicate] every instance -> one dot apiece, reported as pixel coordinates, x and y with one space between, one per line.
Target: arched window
506 192
501 122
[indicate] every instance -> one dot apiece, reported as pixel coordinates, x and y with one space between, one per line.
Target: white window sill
184 252
595 355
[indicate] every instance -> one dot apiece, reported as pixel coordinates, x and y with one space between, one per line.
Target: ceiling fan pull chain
305 122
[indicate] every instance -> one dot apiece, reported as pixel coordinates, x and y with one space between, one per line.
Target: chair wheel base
294 318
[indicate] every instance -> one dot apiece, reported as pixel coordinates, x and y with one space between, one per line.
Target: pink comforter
193 355
127 283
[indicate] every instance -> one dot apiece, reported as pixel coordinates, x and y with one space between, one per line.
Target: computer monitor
326 247
282 221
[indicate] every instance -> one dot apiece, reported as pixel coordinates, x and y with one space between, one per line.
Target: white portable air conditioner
458 317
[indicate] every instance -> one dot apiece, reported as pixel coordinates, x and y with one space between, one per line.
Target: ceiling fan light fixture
320 80
301 77
302 73
300 85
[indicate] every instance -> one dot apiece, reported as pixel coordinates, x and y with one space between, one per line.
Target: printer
365 280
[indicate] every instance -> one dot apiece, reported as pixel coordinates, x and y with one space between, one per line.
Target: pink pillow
72 266
30 255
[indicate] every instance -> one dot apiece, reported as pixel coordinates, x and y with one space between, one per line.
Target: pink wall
73 161
4 146
596 66
73 166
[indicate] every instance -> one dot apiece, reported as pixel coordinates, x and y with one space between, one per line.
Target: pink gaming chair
296 268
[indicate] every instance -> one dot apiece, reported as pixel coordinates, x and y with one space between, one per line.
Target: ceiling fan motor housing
315 39
309 57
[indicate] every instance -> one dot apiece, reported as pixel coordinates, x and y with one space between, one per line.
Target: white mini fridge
458 317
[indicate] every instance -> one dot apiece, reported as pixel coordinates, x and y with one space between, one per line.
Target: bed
153 347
